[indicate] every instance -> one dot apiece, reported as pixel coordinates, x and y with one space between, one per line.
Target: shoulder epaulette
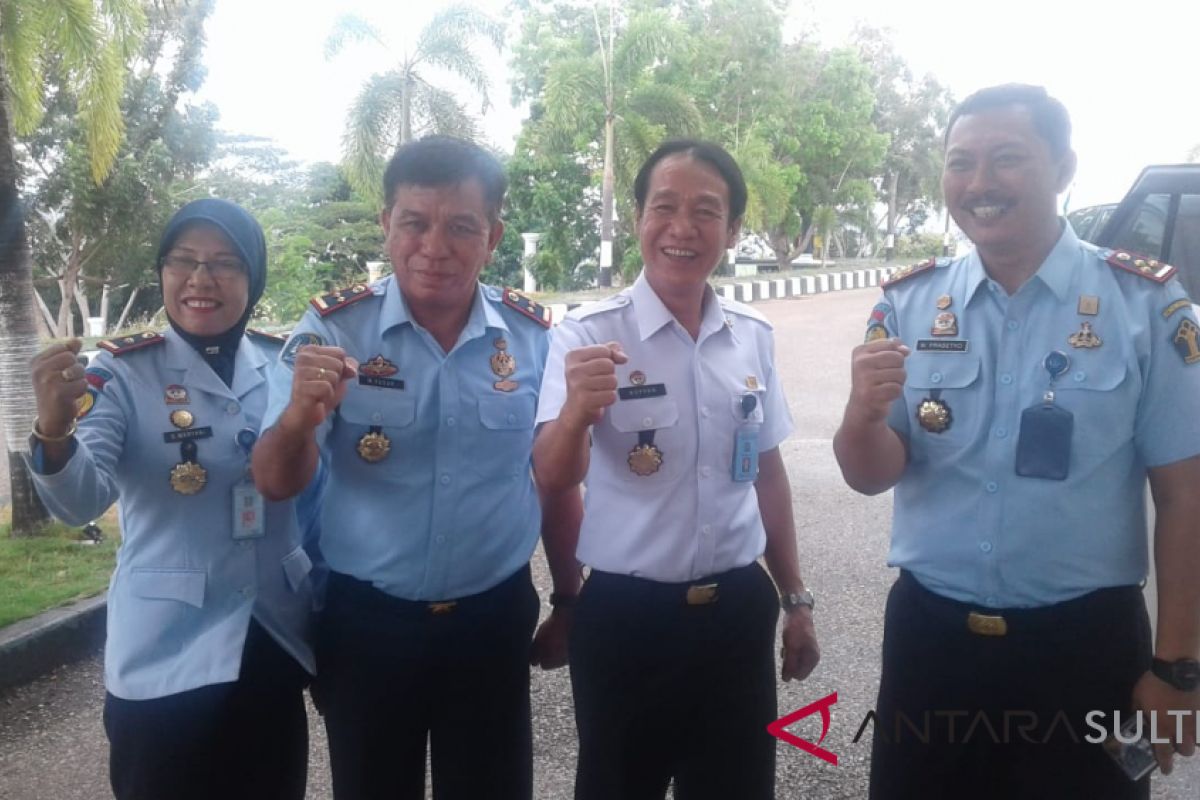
326 304
585 310
127 344
1149 268
272 338
535 311
741 309
904 273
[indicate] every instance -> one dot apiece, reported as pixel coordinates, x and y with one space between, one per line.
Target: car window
1143 231
1088 222
1185 244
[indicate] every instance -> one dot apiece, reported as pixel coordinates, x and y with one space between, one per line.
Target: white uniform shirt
690 518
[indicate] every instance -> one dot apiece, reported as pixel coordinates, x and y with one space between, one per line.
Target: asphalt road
52 744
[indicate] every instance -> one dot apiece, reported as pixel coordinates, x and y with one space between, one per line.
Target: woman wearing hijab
208 609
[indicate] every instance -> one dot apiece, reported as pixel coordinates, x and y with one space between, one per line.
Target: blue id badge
247 511
745 454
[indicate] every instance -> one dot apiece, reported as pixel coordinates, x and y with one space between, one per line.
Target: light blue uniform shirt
452 510
964 523
184 590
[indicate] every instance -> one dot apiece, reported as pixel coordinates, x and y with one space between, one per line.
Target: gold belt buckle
442 608
985 625
702 595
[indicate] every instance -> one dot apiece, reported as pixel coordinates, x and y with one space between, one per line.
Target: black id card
1044 446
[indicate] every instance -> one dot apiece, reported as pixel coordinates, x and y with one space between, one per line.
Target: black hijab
246 235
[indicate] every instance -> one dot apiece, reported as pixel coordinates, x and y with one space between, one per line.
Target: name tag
185 436
941 345
381 383
642 392
745 454
248 521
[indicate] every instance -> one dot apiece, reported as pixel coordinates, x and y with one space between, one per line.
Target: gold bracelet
41 437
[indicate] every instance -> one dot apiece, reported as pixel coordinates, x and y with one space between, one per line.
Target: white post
531 243
374 270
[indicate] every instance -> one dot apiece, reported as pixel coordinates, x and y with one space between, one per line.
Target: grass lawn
41 572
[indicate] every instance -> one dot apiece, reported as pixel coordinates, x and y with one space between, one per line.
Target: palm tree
400 104
618 81
91 40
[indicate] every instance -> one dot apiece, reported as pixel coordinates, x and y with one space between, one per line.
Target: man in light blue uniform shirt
1018 398
419 394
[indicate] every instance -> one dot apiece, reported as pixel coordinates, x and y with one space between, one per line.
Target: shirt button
935 377
450 422
991 486
1080 376
233 408
377 417
647 422
445 479
704 411
440 538
512 418
1006 379
1001 433
1013 324
707 529
985 547
705 472
246 591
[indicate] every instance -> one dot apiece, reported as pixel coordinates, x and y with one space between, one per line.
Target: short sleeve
310 330
567 336
777 419
1168 427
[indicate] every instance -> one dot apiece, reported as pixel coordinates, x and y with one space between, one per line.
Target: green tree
913 113
95 240
599 83
403 103
91 40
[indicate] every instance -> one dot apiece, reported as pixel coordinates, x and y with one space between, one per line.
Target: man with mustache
418 393
1017 398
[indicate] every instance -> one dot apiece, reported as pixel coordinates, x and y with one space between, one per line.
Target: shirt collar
652 314
1057 272
483 315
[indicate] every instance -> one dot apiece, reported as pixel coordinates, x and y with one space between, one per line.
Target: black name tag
185 436
642 392
941 345
1044 444
382 383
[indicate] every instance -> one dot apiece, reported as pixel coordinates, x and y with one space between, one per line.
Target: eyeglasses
218 268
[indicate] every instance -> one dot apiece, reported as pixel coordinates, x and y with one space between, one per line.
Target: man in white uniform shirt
664 399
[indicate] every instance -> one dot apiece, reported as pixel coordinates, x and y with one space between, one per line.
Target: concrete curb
776 288
32 647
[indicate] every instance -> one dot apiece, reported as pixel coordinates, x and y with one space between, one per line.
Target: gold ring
320 373
66 375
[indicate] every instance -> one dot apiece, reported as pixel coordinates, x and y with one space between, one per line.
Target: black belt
698 592
1092 610
347 587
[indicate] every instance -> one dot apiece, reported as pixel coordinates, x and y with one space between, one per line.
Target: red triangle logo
778 728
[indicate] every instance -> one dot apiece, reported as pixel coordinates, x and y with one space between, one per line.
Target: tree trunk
45 319
18 331
606 202
104 310
128 307
406 110
85 309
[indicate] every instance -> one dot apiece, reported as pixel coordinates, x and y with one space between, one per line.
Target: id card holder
1044 446
745 454
248 518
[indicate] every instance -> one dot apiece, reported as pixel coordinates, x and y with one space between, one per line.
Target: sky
1126 74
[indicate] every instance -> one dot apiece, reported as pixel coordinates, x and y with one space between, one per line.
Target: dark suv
1159 217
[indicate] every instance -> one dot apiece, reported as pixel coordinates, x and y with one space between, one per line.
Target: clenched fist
321 376
876 379
591 374
58 383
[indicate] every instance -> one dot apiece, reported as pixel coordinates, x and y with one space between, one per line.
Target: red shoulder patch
535 311
904 273
326 304
127 344
1143 266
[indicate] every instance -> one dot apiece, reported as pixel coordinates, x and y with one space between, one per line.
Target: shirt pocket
630 417
755 417
366 410
1097 392
181 585
953 378
505 435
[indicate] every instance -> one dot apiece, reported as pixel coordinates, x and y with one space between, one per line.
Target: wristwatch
1183 673
791 601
